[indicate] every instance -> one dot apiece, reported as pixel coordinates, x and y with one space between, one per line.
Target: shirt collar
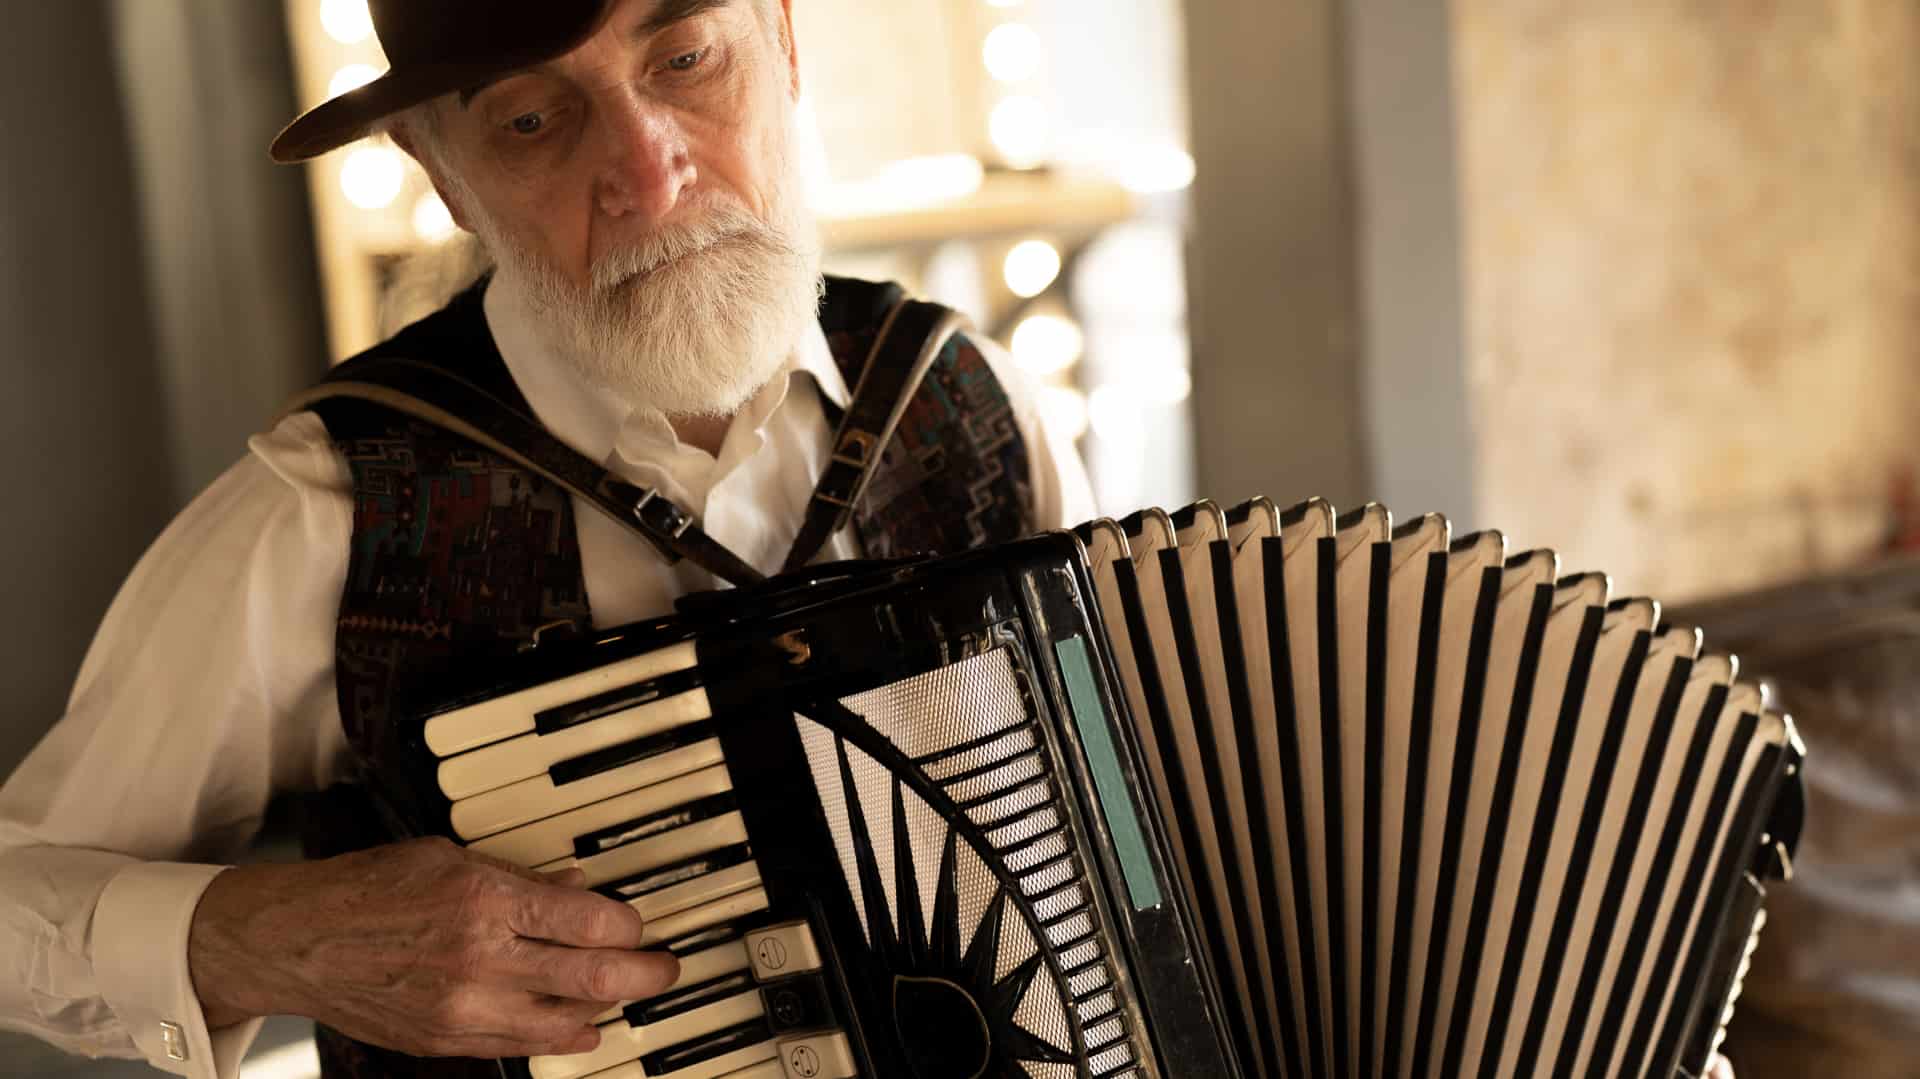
594 422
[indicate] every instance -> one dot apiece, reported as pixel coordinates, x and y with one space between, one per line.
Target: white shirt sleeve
1062 495
209 686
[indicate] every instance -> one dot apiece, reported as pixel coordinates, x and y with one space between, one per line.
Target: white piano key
769 1069
696 967
666 848
543 841
675 926
504 717
501 763
760 1061
621 1042
700 890
540 797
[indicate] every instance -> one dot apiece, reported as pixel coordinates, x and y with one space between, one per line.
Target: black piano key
686 998
707 938
560 717
640 749
666 820
719 1043
679 872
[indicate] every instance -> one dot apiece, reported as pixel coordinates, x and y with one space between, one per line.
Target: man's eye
687 61
527 123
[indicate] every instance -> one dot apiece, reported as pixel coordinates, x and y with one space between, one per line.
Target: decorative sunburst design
956 1006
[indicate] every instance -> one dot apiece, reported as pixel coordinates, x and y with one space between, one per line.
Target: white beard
692 320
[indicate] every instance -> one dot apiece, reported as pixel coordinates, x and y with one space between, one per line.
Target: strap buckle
663 521
857 448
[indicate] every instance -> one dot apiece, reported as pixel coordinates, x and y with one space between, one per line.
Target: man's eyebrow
667 14
471 92
673 11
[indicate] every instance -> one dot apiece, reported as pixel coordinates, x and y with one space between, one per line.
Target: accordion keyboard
617 772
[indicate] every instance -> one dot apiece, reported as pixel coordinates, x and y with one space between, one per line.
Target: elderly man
629 166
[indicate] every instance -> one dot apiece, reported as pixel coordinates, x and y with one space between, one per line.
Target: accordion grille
971 730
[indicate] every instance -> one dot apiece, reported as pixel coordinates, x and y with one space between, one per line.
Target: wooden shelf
1007 203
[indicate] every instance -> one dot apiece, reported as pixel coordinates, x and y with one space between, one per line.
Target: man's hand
1719 1068
421 947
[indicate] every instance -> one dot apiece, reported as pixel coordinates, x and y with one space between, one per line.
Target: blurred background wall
91 475
1638 281
1692 248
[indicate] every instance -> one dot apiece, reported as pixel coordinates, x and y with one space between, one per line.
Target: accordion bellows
1442 811
1250 793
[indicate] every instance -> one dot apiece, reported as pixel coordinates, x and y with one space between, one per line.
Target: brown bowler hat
435 47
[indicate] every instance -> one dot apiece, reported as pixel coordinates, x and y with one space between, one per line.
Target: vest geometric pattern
460 557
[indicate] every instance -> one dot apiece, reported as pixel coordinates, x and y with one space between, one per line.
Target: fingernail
669 967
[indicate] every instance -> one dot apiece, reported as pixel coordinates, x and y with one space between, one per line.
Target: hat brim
359 112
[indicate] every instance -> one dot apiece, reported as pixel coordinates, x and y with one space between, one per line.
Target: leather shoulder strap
440 397
911 335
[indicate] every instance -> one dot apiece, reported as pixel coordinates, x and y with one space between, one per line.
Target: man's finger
575 918
601 975
571 877
1719 1068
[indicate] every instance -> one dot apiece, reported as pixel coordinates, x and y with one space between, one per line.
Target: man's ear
793 50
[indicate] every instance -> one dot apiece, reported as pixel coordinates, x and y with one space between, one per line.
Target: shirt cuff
140 929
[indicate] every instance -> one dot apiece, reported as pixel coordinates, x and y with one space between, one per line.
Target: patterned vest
460 558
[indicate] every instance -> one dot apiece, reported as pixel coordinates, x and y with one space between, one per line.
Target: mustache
722 223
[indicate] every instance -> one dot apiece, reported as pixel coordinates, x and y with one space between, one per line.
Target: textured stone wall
1692 248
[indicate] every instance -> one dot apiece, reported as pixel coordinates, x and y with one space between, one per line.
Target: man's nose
647 164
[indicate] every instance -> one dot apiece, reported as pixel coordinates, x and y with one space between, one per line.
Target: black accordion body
1207 794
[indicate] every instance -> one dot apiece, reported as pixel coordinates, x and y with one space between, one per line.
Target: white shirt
209 686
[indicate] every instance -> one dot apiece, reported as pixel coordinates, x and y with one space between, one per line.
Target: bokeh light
432 221
372 177
346 21
1047 344
350 78
1021 131
1031 267
1012 52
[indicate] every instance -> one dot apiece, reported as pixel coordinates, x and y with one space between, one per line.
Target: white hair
692 318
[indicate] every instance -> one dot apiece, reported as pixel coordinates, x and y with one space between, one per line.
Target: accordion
1250 793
